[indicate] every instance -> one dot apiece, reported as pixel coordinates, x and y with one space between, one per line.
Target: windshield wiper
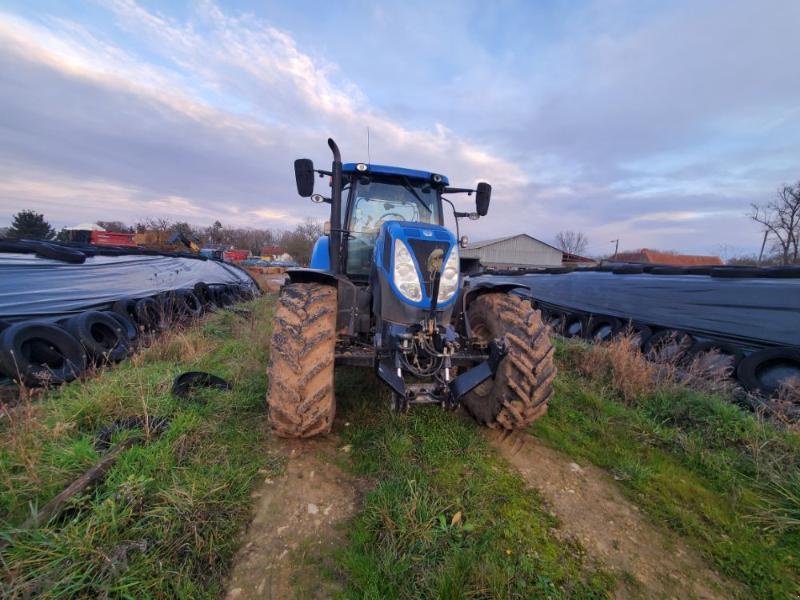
410 188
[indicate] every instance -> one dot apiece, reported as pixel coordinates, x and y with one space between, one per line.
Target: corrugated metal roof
484 243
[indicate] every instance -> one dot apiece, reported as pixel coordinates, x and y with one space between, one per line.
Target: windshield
375 203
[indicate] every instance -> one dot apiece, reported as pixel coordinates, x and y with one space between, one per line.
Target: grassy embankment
164 521
444 517
723 479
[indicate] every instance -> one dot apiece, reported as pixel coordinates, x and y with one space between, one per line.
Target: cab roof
350 168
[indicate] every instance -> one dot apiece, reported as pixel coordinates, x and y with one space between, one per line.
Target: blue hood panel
420 238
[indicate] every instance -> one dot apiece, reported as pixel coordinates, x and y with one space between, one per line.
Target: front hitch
469 380
450 394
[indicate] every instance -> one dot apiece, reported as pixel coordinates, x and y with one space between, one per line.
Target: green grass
447 518
164 521
444 516
724 480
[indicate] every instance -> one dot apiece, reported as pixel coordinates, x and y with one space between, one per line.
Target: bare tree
157 224
572 242
300 242
780 219
114 226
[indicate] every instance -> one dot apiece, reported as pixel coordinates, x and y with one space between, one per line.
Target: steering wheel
385 218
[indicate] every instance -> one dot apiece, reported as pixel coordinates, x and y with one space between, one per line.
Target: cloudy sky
650 121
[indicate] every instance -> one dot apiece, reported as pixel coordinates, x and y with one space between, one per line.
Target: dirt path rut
295 524
648 562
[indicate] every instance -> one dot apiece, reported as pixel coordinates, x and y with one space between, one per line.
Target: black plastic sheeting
751 312
32 287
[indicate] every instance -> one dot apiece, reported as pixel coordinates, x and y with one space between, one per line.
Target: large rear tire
300 398
523 384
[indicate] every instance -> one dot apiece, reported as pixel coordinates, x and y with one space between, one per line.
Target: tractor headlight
405 273
448 284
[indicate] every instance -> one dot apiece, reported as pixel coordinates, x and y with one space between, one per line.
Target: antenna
369 158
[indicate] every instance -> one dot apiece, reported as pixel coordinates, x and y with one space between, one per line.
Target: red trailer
111 238
235 255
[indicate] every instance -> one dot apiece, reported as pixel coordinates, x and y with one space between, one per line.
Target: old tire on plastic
127 324
40 354
188 305
574 326
600 328
714 356
554 319
125 307
523 384
667 346
766 370
300 398
102 336
148 314
203 292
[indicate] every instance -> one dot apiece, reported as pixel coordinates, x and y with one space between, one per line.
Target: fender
320 255
472 291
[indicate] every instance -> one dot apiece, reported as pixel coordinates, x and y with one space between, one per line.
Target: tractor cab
377 195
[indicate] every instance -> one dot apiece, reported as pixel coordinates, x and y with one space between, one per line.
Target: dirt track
294 526
648 562
300 518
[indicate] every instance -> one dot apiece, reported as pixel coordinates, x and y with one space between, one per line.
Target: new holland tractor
384 291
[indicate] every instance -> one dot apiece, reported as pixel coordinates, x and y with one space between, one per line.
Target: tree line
297 242
779 219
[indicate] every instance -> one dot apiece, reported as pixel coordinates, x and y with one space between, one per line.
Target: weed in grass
782 504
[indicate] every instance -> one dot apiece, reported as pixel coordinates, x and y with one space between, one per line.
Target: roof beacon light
437 178
361 167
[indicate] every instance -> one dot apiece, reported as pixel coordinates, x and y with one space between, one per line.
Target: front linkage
433 354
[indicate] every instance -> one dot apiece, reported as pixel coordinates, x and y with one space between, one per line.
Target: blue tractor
384 291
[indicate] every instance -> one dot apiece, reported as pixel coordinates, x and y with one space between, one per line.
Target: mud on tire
300 397
523 385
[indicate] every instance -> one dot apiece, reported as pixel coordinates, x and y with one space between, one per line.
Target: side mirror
482 196
304 174
463 242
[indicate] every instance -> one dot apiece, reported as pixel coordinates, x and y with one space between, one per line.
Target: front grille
422 250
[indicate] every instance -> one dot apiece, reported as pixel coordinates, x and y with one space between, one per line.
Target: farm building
656 257
514 251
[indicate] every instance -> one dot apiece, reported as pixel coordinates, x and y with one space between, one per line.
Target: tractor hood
407 257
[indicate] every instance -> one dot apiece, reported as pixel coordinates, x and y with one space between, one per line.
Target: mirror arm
456 215
323 172
454 190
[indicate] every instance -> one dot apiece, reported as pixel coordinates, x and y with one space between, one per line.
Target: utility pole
616 246
764 243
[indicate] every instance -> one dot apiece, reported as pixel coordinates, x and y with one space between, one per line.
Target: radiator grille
422 250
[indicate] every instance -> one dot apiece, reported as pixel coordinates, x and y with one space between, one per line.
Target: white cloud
623 129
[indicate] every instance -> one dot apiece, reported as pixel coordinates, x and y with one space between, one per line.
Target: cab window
375 203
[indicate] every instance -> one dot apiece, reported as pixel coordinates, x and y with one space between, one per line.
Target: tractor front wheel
523 384
300 398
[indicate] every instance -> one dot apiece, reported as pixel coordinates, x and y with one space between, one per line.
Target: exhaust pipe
336 209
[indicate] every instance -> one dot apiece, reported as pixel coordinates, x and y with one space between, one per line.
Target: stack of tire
41 353
762 371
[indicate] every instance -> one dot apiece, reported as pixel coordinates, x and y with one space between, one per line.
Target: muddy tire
523 385
300 398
